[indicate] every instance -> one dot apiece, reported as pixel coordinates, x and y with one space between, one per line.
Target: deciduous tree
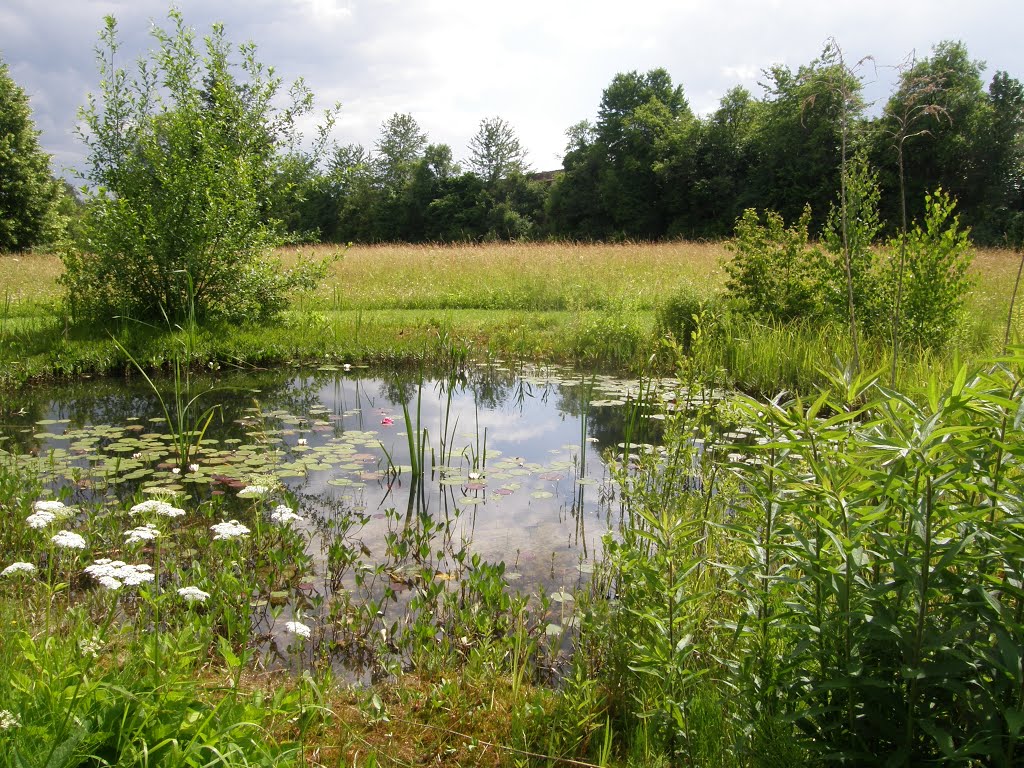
181 156
29 195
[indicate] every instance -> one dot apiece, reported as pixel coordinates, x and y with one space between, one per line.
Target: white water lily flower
8 720
156 507
176 470
253 492
283 514
298 628
68 540
19 567
146 532
302 441
193 467
194 594
231 529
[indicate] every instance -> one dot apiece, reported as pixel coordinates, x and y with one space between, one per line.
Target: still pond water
514 459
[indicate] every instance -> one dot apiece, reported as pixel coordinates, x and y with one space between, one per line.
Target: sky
541 65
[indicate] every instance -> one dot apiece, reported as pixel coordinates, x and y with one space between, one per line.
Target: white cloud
540 65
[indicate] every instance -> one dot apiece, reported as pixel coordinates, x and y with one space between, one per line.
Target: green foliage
495 151
775 271
856 236
935 279
182 155
679 314
29 196
612 338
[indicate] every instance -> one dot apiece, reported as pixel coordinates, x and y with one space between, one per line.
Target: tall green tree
495 151
972 144
798 137
29 195
612 184
180 157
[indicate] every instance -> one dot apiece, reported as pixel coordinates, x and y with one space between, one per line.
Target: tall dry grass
526 276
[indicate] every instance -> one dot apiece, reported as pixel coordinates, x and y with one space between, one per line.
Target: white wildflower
109 582
229 530
57 508
146 532
15 568
283 514
298 628
253 492
112 574
137 574
194 594
156 507
68 540
8 720
40 519
91 647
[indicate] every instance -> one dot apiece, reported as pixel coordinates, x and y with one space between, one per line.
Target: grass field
589 304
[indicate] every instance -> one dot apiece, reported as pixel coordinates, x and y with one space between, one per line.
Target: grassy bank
596 305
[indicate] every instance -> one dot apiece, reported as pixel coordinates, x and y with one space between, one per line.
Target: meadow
831 575
601 306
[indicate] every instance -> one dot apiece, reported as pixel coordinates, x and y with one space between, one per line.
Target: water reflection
511 461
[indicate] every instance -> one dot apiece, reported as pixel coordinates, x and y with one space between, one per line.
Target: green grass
594 305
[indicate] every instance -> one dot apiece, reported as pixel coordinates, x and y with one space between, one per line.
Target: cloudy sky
539 64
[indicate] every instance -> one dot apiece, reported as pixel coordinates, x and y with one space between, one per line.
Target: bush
679 313
775 272
927 296
181 156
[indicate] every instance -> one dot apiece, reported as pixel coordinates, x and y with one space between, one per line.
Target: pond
507 465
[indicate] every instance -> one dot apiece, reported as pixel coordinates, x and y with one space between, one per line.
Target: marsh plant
830 580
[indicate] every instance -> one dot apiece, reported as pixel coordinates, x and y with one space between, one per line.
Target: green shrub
181 156
611 338
679 314
775 271
927 298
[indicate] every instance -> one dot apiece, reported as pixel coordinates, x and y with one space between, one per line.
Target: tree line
649 168
646 168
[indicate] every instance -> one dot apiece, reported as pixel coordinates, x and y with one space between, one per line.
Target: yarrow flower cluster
45 512
8 720
194 594
156 507
231 529
253 492
283 514
298 628
112 574
15 568
68 540
146 532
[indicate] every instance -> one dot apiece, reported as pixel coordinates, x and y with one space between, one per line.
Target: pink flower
387 421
